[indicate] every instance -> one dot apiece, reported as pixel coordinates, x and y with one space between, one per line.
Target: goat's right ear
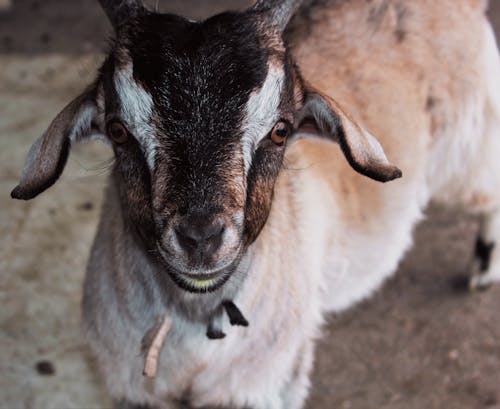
363 152
48 155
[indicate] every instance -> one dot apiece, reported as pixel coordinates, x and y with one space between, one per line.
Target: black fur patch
200 76
261 178
483 253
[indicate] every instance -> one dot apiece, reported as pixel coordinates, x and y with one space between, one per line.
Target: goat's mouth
203 282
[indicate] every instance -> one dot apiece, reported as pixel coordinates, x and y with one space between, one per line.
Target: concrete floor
419 343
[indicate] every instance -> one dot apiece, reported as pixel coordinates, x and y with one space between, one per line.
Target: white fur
136 110
262 112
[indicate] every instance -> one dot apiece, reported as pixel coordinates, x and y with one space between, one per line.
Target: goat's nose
199 236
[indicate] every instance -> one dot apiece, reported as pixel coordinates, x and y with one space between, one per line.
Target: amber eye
280 132
117 132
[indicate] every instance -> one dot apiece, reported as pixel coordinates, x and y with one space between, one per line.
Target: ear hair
361 149
48 155
277 12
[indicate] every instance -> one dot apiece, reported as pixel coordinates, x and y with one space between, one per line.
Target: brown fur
356 51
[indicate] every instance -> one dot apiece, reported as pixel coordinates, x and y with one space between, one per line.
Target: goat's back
420 76
415 74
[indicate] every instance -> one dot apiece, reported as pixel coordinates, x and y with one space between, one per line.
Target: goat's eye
117 132
280 132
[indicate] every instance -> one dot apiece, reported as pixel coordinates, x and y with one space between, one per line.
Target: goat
233 220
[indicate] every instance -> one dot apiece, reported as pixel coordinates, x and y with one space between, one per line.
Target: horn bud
120 11
277 12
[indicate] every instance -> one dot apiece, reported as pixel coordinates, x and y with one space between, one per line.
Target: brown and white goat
219 207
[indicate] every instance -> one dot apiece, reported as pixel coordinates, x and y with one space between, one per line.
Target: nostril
200 234
185 238
216 230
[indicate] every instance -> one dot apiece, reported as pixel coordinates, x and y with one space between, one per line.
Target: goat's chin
198 280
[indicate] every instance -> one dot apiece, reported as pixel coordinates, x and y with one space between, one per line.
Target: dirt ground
421 342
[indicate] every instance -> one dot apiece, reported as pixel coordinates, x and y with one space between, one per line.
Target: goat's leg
488 175
487 255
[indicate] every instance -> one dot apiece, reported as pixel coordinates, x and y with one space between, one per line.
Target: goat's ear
47 157
360 148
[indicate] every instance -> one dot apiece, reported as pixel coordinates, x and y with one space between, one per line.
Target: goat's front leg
487 254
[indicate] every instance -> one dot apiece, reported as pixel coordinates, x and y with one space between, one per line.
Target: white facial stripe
262 112
136 110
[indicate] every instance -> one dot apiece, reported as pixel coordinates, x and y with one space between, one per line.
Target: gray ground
421 342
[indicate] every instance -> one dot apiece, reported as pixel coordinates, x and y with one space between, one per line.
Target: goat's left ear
48 155
361 149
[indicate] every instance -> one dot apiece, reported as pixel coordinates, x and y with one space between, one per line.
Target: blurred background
421 342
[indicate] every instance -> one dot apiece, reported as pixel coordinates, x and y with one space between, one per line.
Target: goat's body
430 92
417 82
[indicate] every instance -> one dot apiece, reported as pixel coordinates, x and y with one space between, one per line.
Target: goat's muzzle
200 249
199 237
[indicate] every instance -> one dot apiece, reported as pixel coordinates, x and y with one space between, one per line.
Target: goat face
198 115
200 104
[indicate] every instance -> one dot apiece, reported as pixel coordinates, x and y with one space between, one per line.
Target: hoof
479 283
